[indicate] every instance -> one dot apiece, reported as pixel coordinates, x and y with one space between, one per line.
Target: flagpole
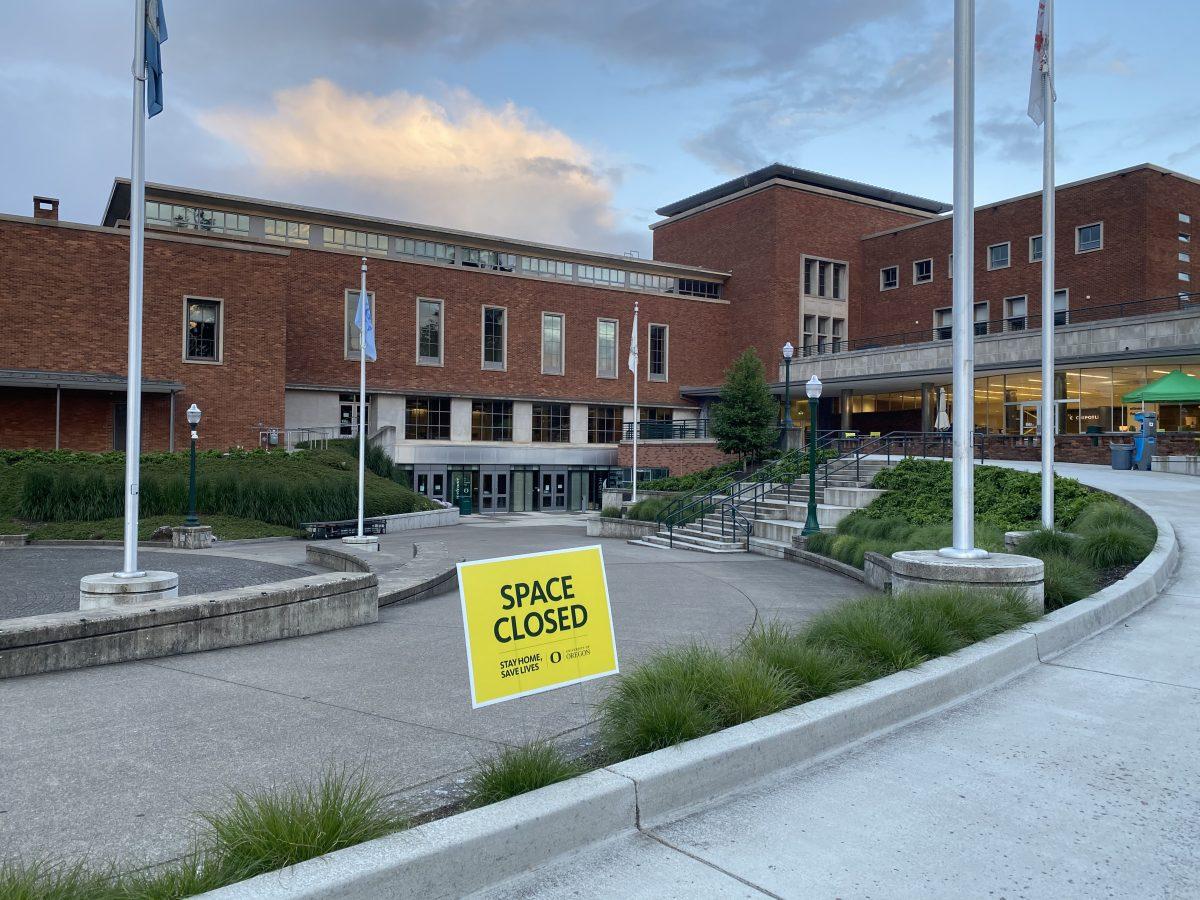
636 424
362 396
137 214
1049 413
964 287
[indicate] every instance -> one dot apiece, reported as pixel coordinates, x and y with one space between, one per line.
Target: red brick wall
1125 269
64 301
315 334
86 420
761 238
679 458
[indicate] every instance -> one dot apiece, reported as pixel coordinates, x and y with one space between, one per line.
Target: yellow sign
536 622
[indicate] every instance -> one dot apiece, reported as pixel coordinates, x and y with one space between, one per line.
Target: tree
745 422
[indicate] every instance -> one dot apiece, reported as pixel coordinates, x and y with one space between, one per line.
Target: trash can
1122 456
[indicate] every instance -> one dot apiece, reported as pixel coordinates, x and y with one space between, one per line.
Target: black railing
1027 321
681 430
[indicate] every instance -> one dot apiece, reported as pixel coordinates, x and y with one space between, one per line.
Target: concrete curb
410 582
486 846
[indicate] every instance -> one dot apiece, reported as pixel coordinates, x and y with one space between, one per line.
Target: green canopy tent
1174 387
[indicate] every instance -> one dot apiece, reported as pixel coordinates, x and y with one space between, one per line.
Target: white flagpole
964 287
362 396
137 213
637 426
1049 415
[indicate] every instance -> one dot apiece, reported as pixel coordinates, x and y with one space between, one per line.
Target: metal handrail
654 430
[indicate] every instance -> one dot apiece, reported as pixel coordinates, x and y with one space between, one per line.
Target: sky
569 122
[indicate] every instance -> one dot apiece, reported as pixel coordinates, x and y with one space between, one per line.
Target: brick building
502 362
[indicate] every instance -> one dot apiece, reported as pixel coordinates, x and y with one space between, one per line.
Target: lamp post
786 418
193 417
813 389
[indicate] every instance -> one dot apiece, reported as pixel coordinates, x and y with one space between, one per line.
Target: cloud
458 163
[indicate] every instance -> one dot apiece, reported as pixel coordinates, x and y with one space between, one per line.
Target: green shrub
267 486
611 512
692 481
647 510
920 492
1114 545
814 671
49 880
518 770
1112 513
1067 580
866 630
1044 541
261 832
821 542
749 689
848 549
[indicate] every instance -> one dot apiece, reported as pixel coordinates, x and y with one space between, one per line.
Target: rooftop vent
45 208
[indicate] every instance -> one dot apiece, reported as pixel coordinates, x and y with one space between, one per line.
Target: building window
1035 248
547 268
488 259
427 418
217 221
1184 276
1185 218
999 256
358 241
824 278
943 324
810 329
353 338
981 318
348 414
889 278
431 337
426 250
658 352
495 338
1062 313
1014 313
693 287
553 344
202 330
643 281
607 331
287 232
491 420
551 423
604 424
1185 257
922 271
600 275
838 335
1089 237
1185 238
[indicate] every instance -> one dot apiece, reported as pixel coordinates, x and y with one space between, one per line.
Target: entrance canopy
1174 387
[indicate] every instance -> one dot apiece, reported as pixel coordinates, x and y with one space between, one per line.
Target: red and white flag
1041 65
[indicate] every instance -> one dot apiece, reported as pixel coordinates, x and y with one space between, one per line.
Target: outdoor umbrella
1174 387
941 421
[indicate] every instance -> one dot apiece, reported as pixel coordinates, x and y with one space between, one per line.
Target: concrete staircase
777 517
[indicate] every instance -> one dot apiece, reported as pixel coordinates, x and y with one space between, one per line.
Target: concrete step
684 543
854 497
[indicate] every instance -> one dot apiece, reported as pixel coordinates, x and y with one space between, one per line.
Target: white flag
365 323
633 350
1041 64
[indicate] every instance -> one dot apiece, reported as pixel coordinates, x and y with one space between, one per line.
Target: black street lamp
813 389
193 417
786 419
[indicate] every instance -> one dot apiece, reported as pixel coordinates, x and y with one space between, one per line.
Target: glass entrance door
524 490
554 491
577 496
493 492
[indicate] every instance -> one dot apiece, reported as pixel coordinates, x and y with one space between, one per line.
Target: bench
349 528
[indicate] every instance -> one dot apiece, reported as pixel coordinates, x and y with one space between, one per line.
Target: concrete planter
13 540
600 526
1179 465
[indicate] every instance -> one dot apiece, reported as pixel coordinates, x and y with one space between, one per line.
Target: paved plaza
1075 780
111 761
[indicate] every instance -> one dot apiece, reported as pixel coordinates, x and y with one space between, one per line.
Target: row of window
428 419
300 233
431 339
823 334
825 278
202 337
1088 238
1016 316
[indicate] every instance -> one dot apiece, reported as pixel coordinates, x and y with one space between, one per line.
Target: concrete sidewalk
111 761
1078 779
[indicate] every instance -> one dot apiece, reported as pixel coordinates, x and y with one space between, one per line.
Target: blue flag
156 35
365 323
